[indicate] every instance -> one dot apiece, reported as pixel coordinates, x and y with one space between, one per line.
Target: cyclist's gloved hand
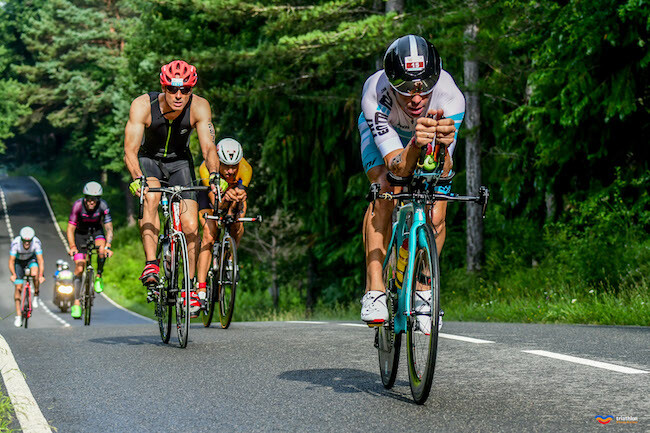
135 186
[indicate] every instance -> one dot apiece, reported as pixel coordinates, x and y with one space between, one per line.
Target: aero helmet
93 189
230 151
178 73
412 65
27 234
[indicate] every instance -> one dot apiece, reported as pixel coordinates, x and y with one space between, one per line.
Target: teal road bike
409 270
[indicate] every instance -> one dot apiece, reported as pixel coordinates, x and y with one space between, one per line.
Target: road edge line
587 362
67 247
6 214
29 415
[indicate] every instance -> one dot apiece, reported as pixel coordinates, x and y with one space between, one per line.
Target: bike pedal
375 324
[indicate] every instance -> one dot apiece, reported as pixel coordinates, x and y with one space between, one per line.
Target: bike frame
414 212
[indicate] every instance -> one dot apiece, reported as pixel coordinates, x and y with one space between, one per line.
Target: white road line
466 339
115 304
6 213
588 362
356 325
29 415
57 318
306 321
47 202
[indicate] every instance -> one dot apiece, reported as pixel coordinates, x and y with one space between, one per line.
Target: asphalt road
116 375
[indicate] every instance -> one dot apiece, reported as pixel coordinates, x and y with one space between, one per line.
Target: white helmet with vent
230 151
93 189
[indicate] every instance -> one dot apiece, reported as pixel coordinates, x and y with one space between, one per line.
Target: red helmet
171 73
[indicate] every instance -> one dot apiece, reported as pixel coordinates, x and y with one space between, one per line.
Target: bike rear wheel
422 329
180 281
228 275
386 340
87 296
161 292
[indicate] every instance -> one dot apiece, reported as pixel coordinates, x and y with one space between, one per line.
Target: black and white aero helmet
93 189
412 65
229 151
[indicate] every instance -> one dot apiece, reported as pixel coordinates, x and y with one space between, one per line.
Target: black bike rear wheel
387 341
422 332
181 282
228 275
87 296
161 294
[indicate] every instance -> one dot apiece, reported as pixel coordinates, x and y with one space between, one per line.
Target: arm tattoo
395 162
212 134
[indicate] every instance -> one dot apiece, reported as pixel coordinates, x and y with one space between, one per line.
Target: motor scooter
63 290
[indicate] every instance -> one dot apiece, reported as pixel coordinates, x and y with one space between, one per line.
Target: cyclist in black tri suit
156 144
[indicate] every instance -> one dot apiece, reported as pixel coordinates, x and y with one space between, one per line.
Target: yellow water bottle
402 260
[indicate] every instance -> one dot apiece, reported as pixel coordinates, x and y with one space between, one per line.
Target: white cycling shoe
18 321
35 302
373 308
423 311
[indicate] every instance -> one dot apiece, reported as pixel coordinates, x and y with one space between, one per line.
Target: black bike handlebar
168 189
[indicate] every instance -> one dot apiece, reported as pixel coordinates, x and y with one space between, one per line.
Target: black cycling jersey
164 140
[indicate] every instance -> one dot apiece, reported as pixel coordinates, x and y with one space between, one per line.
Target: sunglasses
174 89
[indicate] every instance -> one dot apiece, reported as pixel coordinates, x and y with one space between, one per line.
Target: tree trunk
311 283
274 273
395 5
128 197
473 152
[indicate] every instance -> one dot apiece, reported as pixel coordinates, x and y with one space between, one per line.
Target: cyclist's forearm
70 235
41 265
132 164
108 227
403 163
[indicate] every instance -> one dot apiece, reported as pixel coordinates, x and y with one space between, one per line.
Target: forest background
563 92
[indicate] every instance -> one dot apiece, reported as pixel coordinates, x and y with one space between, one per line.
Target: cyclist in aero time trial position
393 127
89 213
156 143
26 253
236 174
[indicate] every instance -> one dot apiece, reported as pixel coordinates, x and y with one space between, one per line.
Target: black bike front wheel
26 305
182 285
422 328
87 296
386 340
228 276
161 292
212 288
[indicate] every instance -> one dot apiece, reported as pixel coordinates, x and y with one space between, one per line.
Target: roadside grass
7 419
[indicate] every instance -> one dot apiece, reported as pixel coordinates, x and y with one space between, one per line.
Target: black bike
87 298
223 273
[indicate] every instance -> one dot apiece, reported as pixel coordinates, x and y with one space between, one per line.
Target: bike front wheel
386 340
161 292
182 285
228 276
87 296
422 328
26 304
212 287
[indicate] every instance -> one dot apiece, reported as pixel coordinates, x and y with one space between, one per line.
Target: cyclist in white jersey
405 106
26 258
